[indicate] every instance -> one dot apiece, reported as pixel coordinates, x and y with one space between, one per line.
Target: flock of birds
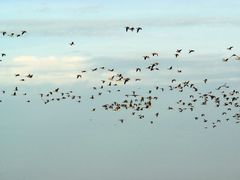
137 102
13 34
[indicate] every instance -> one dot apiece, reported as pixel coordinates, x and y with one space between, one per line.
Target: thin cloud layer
49 69
105 27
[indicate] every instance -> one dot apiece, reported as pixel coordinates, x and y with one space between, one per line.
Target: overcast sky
66 140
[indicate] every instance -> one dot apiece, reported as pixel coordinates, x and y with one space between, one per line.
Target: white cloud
49 69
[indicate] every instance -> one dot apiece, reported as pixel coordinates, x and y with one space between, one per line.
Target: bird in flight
178 50
191 51
24 32
176 55
146 57
79 76
121 120
154 54
72 43
138 29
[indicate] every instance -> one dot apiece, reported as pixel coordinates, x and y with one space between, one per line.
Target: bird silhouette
72 43
138 29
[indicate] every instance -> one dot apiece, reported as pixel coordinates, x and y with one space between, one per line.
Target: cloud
49 69
53 70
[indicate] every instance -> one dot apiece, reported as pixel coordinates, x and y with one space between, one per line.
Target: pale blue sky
66 140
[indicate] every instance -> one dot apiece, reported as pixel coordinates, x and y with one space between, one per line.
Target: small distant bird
178 50
230 48
225 59
72 43
24 32
11 35
176 55
205 81
29 76
191 51
121 120
131 29
102 67
138 29
154 54
126 80
111 70
79 76
173 80
138 69
146 57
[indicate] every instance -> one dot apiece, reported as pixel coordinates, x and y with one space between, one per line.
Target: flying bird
146 57
138 29
72 43
191 51
79 76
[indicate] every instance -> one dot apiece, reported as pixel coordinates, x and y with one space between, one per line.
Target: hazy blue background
66 140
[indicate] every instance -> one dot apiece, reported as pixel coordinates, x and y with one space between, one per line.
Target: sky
66 140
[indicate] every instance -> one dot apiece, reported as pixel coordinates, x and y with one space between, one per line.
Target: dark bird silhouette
225 59
131 29
138 69
121 120
146 57
170 68
126 80
24 32
154 54
79 76
72 43
29 76
191 51
138 29
178 50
